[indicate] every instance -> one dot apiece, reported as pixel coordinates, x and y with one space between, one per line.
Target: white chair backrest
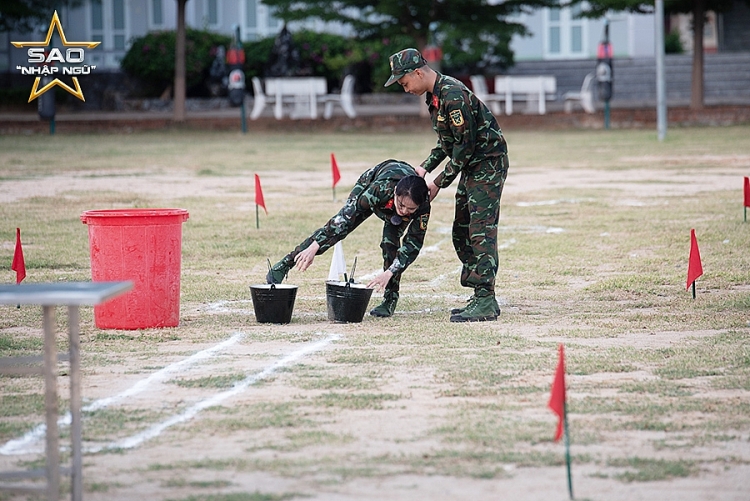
587 82
348 86
479 85
257 87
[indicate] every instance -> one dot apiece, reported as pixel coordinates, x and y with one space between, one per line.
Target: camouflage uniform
373 194
468 134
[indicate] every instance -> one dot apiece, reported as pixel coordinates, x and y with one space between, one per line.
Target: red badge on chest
389 205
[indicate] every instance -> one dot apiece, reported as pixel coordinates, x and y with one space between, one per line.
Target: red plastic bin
145 246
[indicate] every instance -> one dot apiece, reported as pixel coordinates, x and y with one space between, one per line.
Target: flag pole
257 218
567 448
693 289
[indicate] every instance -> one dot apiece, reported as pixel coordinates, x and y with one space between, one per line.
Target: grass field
594 242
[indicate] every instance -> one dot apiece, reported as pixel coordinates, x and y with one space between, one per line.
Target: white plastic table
302 91
48 296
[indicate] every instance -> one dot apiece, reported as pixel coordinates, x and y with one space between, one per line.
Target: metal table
48 296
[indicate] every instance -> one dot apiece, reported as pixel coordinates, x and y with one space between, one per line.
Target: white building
556 33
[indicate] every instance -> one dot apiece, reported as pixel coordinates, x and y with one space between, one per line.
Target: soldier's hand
421 172
433 190
304 259
380 281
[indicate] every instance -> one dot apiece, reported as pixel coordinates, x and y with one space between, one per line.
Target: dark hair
413 187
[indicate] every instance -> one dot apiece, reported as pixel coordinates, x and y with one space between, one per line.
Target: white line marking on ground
369 276
191 412
23 445
506 244
432 248
436 281
553 202
529 229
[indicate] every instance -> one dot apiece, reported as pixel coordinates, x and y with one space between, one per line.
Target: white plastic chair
344 99
259 99
479 86
585 97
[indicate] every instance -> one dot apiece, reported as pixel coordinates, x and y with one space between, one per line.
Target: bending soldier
392 191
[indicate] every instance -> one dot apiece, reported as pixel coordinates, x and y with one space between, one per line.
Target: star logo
55 23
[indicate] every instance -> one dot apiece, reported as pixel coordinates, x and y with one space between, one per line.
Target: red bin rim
112 213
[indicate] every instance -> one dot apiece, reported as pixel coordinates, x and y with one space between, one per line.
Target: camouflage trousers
475 225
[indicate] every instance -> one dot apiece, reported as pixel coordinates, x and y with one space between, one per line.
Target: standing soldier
392 191
469 136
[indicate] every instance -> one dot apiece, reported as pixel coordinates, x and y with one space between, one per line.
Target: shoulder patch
423 221
457 118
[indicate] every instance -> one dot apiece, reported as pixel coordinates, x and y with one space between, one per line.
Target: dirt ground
393 433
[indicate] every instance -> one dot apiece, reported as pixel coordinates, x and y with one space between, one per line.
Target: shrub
673 43
151 59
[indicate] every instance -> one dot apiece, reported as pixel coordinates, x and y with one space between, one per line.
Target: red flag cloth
557 395
259 194
747 192
335 170
18 265
695 268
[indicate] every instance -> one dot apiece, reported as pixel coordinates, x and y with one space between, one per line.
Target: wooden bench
532 89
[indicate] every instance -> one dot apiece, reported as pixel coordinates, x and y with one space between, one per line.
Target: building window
109 26
565 33
157 13
118 24
251 14
212 14
97 17
4 51
118 14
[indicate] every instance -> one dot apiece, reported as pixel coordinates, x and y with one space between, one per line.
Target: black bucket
347 302
273 303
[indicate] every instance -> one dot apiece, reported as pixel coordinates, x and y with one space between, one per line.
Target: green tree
325 55
151 58
474 34
698 8
25 15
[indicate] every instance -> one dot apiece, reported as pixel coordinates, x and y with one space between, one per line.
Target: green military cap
404 62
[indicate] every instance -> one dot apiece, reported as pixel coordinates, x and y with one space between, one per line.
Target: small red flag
18 265
335 170
747 192
557 395
259 194
695 268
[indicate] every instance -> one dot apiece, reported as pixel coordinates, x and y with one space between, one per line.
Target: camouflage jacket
467 131
373 194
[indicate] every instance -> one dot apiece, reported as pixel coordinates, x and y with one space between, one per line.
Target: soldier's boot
482 309
456 311
387 307
278 272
